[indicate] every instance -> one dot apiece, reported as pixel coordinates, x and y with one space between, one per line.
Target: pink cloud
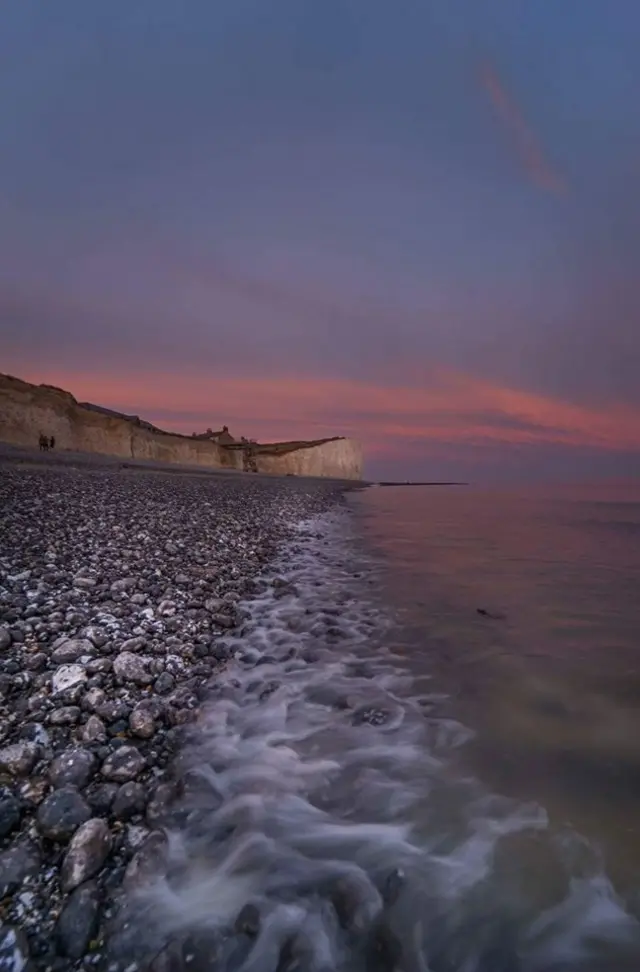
538 167
450 408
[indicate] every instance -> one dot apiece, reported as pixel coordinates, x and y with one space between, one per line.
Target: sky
413 222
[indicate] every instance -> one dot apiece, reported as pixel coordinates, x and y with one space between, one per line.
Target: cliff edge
28 411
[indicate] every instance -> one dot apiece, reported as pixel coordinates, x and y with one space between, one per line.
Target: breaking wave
324 824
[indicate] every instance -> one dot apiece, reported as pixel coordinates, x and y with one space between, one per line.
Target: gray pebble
17 864
61 813
129 801
78 921
123 765
9 812
128 667
19 758
14 949
74 767
88 850
5 638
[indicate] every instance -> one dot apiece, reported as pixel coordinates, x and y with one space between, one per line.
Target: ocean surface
426 754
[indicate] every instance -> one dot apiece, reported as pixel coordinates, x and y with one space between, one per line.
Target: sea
425 756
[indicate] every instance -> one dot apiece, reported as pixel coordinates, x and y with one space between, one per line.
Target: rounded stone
61 813
131 799
9 812
123 765
78 921
88 850
73 767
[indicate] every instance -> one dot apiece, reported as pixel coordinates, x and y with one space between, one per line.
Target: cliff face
27 411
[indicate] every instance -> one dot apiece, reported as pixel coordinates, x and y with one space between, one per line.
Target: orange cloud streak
529 149
453 408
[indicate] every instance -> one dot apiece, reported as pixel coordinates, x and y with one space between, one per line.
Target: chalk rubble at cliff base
116 592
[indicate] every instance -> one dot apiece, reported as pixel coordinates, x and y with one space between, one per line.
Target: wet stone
61 813
142 722
14 949
67 715
101 796
9 812
94 730
164 684
132 668
67 677
17 864
19 758
129 801
123 765
88 850
5 638
70 651
78 921
74 767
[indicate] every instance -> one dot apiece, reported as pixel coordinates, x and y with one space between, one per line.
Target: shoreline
119 589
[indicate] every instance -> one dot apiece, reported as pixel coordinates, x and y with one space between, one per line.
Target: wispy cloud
537 165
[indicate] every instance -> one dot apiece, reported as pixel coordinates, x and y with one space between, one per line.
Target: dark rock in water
88 850
61 813
494 615
130 800
148 863
123 765
9 812
78 921
248 920
158 809
392 887
74 767
14 949
16 865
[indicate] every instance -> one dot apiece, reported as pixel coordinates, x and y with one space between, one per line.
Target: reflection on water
551 685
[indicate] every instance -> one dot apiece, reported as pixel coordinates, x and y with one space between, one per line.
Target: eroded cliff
28 411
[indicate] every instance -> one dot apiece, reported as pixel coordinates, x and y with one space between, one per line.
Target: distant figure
44 443
52 442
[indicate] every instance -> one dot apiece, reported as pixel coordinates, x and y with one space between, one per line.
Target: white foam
317 765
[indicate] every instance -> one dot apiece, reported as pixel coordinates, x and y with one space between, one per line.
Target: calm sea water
551 684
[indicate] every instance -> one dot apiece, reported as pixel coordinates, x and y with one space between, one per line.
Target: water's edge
322 825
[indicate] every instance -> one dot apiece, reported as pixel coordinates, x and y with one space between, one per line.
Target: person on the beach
52 442
44 443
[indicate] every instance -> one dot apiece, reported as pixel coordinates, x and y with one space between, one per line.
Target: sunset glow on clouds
417 225
456 409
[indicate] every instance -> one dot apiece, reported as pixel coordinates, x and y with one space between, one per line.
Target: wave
323 823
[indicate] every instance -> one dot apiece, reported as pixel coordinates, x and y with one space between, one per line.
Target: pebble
10 812
17 864
88 850
61 813
70 651
14 949
132 668
66 677
19 758
109 636
130 800
74 767
142 722
123 765
78 921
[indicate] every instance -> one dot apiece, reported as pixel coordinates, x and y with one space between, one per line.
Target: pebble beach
119 590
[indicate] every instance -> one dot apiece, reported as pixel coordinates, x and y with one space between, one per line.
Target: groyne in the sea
28 411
